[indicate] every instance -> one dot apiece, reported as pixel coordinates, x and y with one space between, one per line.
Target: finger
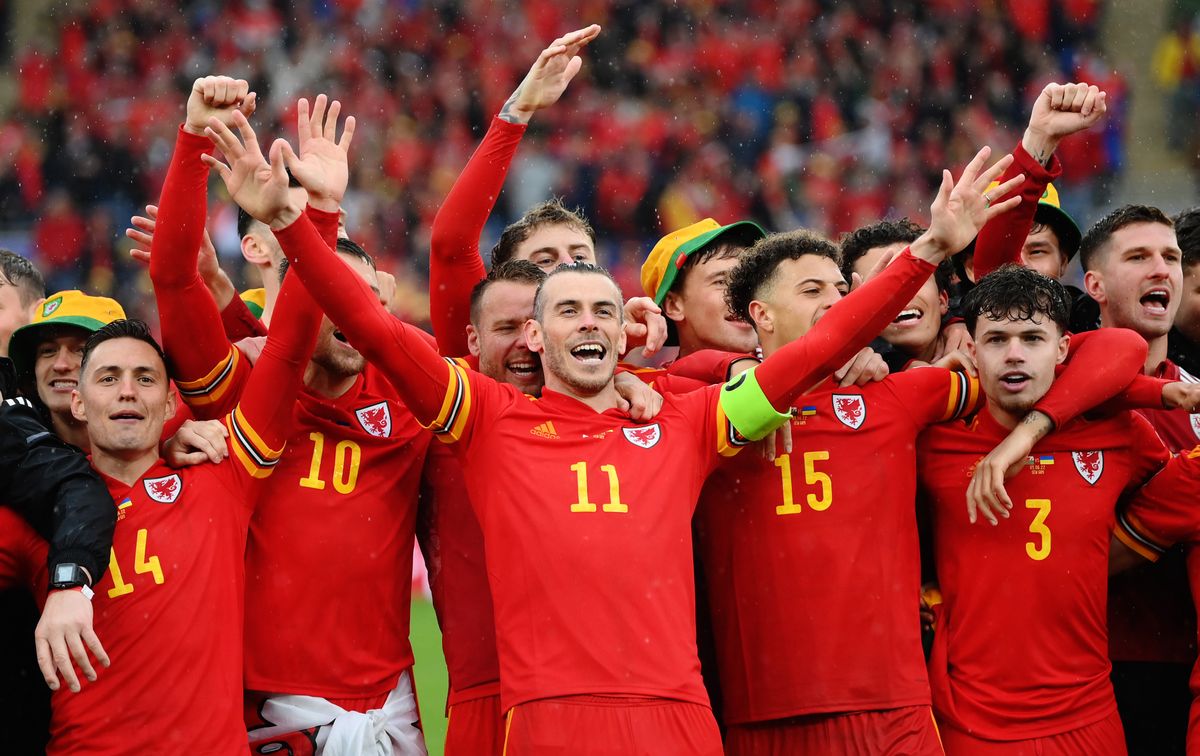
80 655
216 165
1089 101
635 330
1102 102
573 66
785 431
347 133
1079 96
226 142
249 105
94 645
278 168
302 121
140 255
971 172
208 87
62 662
203 447
290 158
972 503
991 174
143 223
1056 97
247 131
1002 207
769 447
1002 495
623 403
656 336
331 120
1008 186
45 660
238 91
189 459
318 115
220 91
140 237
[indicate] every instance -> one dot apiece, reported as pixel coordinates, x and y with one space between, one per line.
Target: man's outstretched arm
455 265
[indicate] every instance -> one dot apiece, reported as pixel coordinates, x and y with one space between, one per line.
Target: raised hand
217 97
549 77
960 209
260 188
322 167
141 232
1061 110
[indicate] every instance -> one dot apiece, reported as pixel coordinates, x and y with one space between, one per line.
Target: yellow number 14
141 565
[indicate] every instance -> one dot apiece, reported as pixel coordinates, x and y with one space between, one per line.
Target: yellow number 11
614 490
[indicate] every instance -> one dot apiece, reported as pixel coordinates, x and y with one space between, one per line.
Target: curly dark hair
860 241
1017 293
552 212
21 273
1100 232
757 267
520 271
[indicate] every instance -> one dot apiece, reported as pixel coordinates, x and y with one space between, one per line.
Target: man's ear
534 337
1064 346
943 302
172 404
77 411
672 306
472 340
1093 284
760 316
253 251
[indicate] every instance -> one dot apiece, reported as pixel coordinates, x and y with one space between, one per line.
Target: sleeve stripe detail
963 396
729 441
1133 535
211 387
256 456
448 426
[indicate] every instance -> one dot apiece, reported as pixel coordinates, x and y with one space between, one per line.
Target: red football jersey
1021 649
169 613
22 556
1151 616
792 553
594 595
319 622
452 544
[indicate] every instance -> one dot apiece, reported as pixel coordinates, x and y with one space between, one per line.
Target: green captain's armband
746 406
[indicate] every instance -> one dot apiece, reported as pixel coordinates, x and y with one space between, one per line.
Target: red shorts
910 731
1103 738
475 728
611 726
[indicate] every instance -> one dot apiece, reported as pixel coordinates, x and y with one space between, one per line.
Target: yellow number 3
1038 527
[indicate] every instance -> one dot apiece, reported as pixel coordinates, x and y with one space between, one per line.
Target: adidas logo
545 430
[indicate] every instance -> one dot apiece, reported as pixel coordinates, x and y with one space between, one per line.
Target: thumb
282 157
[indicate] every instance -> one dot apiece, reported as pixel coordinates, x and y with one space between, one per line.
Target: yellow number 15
819 501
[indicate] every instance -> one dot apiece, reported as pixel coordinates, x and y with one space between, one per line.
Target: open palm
961 209
322 167
553 70
258 187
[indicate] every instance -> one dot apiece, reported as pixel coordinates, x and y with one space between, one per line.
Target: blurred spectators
801 112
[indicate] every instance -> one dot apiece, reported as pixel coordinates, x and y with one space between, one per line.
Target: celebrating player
1045 569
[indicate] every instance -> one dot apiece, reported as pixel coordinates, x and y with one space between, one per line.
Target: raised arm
400 350
455 265
1059 111
204 363
957 214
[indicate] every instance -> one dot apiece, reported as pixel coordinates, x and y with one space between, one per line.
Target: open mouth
589 352
1015 380
127 416
523 368
340 337
1156 300
64 385
911 315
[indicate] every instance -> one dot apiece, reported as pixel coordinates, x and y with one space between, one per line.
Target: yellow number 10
141 565
1038 527
818 502
614 490
346 458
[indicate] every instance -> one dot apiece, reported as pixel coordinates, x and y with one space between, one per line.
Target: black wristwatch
68 575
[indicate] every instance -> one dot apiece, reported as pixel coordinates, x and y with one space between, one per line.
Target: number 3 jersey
169 614
586 518
812 562
1021 645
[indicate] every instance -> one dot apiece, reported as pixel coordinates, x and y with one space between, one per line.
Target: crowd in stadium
765 489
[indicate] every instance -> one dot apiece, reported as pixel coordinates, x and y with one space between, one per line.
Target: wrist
930 248
325 204
284 218
191 128
87 592
1039 144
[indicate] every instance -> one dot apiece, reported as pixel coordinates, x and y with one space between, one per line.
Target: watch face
64 573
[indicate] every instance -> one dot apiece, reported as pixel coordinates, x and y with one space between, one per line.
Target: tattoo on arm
506 112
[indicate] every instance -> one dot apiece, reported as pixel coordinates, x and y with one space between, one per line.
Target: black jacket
52 485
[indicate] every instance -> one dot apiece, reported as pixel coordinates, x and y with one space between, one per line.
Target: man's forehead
811 266
59 334
508 295
573 285
125 354
1013 323
1149 235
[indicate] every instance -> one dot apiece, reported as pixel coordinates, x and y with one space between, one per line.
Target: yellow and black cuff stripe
448 426
1130 532
964 396
212 387
256 456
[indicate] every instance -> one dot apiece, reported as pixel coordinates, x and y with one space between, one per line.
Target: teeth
589 351
908 314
